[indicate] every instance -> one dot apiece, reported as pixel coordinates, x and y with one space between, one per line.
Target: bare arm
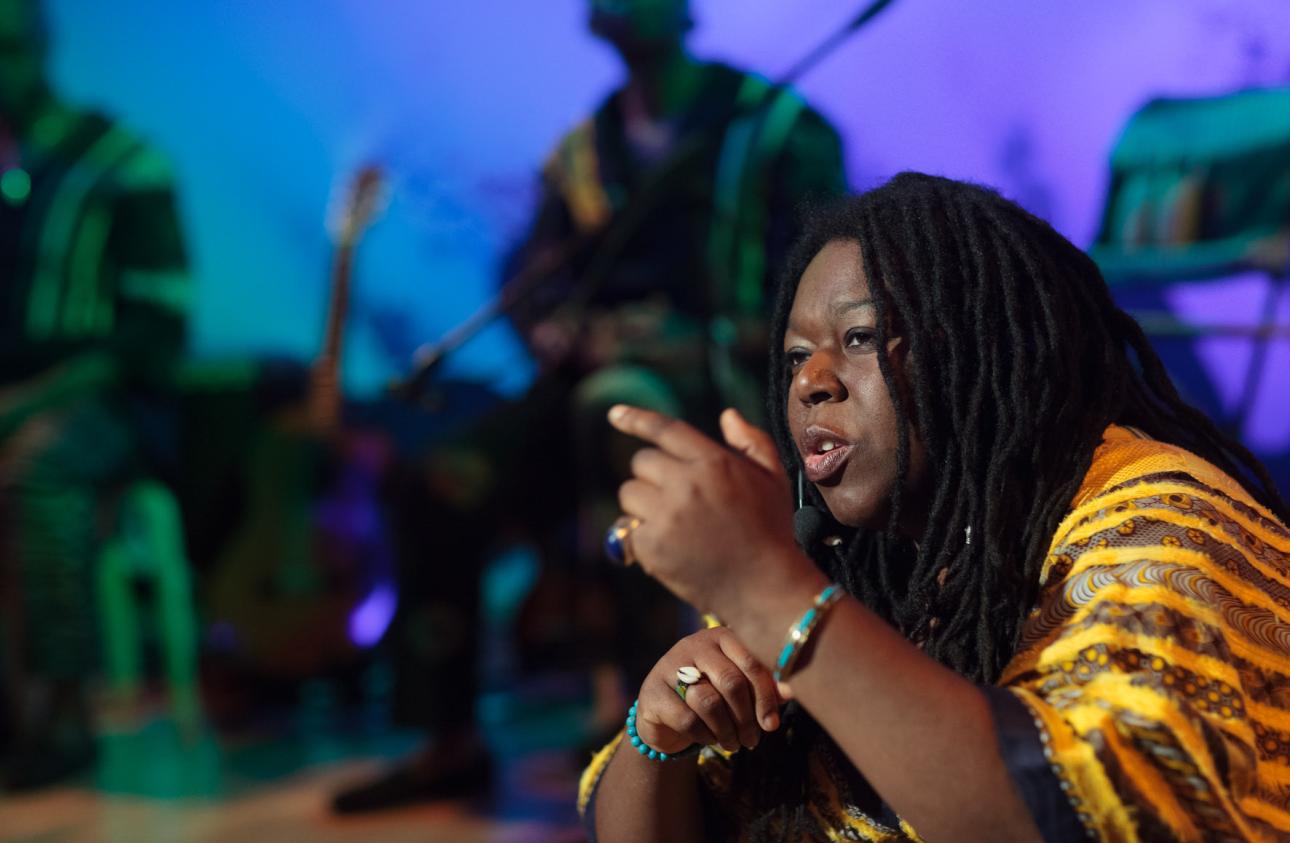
922 735
643 799
715 529
647 801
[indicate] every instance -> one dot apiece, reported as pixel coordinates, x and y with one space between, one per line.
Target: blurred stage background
266 110
266 107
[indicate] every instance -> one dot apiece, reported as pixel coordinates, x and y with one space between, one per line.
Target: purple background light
265 106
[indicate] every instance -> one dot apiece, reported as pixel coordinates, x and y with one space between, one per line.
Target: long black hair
1018 360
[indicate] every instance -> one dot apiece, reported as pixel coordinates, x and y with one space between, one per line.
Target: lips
824 453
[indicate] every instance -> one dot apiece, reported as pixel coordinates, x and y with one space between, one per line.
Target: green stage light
15 185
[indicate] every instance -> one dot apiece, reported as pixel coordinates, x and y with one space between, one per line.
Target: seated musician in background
92 311
661 220
1040 596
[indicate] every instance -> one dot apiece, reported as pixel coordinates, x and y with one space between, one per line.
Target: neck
664 84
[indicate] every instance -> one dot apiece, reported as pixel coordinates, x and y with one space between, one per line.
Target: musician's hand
732 705
716 522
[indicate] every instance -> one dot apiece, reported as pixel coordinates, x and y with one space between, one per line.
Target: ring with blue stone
618 545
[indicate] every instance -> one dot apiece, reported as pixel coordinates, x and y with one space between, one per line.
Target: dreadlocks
1019 359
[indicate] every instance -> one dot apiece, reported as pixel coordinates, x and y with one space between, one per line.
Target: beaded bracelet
800 632
645 749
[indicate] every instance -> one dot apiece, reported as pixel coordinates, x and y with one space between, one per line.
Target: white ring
688 675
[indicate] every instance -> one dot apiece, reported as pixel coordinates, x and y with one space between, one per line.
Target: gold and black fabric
1149 698
712 230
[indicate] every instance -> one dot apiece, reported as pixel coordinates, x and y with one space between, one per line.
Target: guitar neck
324 387
338 307
324 393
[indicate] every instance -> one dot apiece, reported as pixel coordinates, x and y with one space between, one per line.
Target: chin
856 510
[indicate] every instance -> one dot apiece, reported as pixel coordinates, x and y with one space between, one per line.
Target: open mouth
823 453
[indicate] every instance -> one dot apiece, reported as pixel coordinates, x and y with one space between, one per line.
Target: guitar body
305 584
290 587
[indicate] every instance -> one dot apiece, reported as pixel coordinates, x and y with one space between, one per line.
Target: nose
817 381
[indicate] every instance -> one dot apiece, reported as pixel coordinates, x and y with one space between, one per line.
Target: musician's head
23 45
641 29
965 358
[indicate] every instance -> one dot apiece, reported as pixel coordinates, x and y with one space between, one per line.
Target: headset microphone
808 522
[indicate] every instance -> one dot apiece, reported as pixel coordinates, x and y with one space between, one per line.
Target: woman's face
840 412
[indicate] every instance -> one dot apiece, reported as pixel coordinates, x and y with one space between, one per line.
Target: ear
901 357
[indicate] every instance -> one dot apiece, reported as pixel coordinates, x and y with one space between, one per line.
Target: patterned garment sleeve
1023 754
154 286
1157 664
590 782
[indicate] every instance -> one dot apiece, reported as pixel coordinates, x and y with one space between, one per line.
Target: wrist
761 618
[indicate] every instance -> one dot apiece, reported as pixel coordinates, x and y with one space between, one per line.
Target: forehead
835 272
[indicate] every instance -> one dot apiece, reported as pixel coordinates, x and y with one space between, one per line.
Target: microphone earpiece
808 521
808 527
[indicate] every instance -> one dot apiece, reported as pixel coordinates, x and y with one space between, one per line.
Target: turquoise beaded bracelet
648 751
800 632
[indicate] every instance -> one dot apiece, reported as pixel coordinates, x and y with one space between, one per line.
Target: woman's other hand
716 521
732 705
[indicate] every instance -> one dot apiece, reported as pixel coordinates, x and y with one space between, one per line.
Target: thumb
751 441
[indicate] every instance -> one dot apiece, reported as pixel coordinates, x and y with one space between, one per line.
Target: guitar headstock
363 201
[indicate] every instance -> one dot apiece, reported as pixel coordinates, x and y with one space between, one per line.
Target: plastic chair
148 545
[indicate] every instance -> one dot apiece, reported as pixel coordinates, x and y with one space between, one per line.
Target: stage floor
272 783
292 809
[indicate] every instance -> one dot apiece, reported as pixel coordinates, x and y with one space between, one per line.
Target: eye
861 338
795 357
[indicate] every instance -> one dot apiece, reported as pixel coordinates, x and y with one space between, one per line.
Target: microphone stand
616 235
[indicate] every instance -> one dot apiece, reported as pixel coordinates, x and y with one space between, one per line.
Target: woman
1068 594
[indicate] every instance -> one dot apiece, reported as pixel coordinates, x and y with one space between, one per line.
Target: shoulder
804 133
1135 485
1161 543
584 130
576 145
129 161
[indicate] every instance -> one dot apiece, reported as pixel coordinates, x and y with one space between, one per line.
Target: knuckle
640 460
647 705
710 703
687 721
729 680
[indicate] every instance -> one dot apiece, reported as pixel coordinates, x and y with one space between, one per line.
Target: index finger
672 435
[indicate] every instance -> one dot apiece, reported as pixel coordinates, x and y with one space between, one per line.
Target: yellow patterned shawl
1156 663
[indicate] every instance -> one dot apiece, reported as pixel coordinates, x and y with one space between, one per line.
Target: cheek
863 497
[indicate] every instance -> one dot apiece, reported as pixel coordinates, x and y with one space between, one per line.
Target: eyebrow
838 311
842 308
